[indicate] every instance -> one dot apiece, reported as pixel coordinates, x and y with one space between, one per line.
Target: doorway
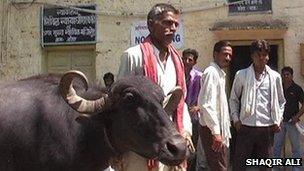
241 58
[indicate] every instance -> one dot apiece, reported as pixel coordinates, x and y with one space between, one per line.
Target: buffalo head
134 117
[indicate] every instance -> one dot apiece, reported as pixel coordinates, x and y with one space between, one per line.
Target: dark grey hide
39 131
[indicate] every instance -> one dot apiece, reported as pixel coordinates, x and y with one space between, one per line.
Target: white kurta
131 63
245 101
213 102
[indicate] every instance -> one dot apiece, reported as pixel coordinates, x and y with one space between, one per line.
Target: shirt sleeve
235 98
207 101
197 88
131 62
281 99
301 95
187 120
126 65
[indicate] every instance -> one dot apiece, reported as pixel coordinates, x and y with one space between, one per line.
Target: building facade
204 22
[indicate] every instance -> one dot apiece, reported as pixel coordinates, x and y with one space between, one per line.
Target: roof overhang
274 29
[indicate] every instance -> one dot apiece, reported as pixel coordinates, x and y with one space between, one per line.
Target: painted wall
20 31
22 54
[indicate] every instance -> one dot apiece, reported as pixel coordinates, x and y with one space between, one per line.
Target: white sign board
140 30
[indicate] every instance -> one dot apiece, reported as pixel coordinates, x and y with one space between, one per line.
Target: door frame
278 42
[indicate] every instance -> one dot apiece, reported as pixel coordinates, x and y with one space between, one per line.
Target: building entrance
241 59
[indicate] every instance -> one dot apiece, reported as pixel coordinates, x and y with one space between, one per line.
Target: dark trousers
252 142
192 159
217 161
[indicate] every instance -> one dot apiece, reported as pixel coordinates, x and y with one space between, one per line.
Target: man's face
223 57
188 61
260 58
287 77
163 29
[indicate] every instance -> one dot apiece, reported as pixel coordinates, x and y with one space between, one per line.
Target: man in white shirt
215 122
157 59
257 105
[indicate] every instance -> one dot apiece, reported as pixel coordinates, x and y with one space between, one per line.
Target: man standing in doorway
157 59
215 122
193 81
257 105
108 79
294 95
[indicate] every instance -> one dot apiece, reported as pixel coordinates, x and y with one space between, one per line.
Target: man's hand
276 128
191 148
217 143
182 166
194 110
238 125
190 145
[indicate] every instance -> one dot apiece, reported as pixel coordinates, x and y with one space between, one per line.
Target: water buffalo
51 123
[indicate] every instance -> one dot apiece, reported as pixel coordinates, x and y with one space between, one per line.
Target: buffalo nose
177 146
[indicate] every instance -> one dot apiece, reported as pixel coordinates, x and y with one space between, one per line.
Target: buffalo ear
84 119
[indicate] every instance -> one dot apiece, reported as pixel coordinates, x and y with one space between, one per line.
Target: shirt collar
156 51
220 70
192 72
266 70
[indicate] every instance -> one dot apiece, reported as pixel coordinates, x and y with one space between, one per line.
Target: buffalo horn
76 102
